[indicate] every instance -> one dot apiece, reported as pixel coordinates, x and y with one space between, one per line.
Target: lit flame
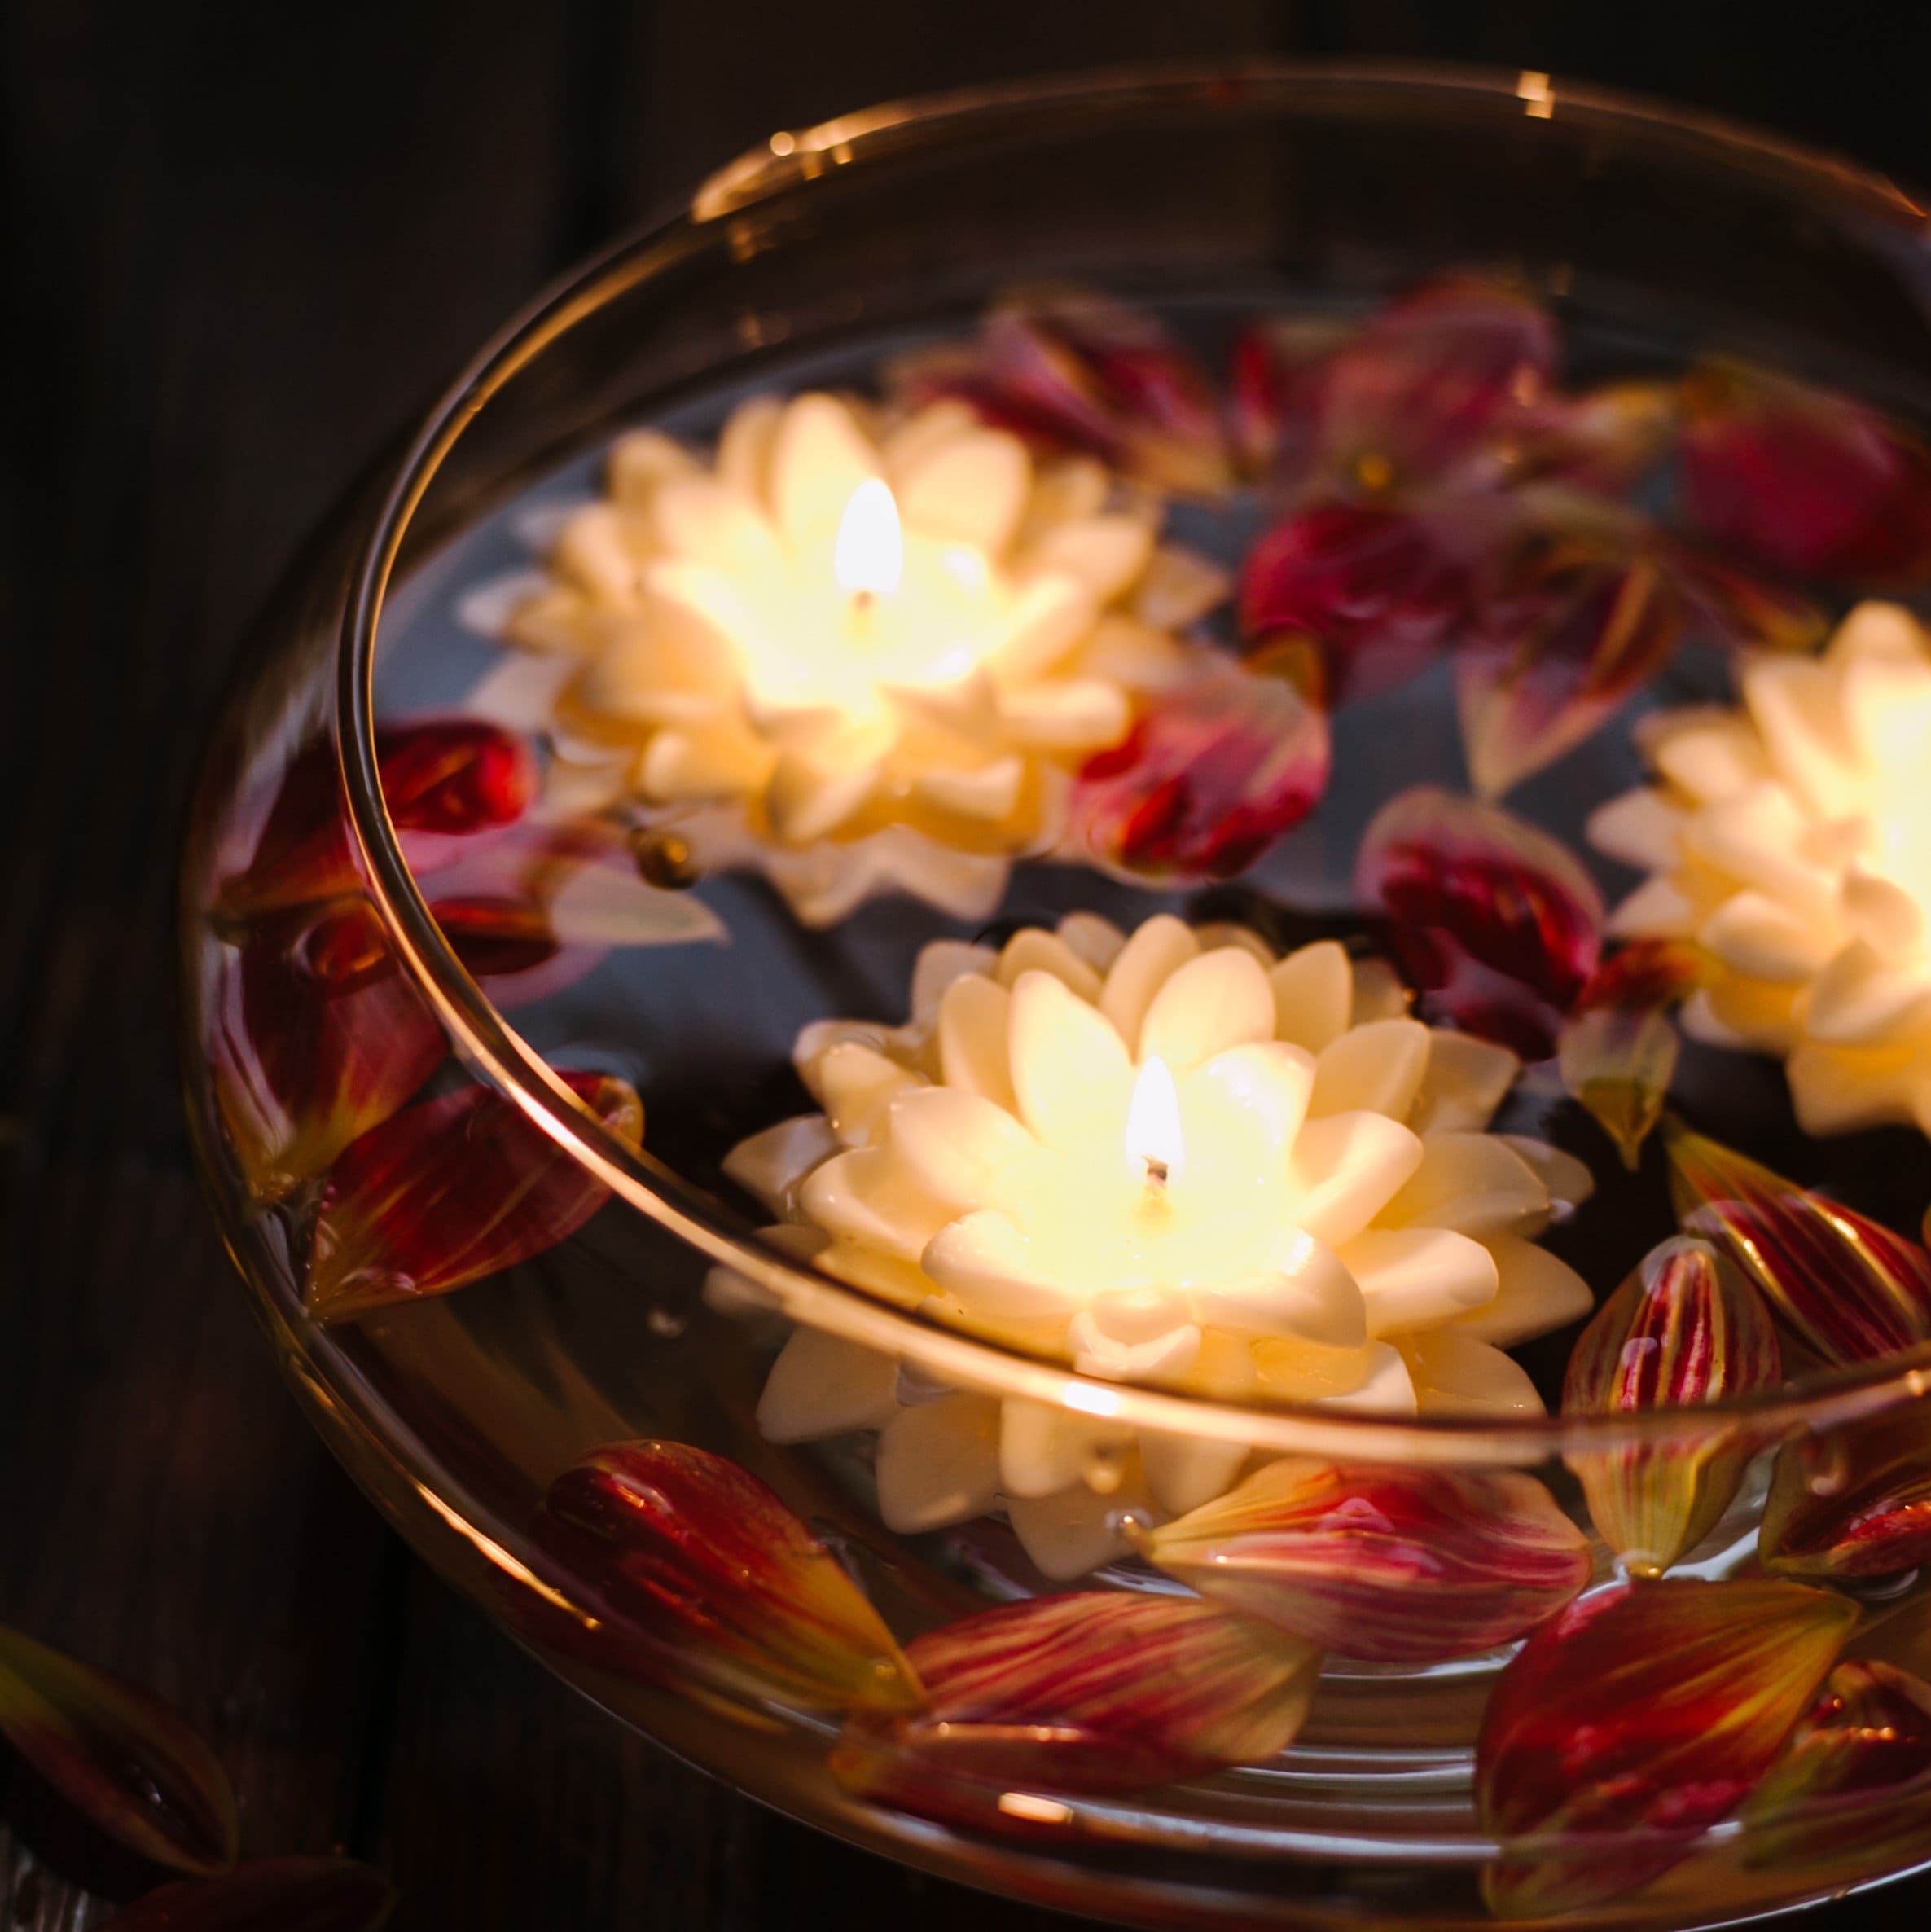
869 557
1153 1143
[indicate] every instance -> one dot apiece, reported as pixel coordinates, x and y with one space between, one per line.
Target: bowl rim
787 163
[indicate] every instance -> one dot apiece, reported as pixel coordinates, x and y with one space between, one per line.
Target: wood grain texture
243 244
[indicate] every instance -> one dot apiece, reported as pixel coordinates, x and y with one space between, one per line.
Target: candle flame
1153 1143
869 557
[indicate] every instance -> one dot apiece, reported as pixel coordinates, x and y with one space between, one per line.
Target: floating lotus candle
1173 1160
857 652
1790 840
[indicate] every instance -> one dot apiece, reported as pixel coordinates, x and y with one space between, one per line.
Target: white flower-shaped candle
1172 1160
1791 840
857 652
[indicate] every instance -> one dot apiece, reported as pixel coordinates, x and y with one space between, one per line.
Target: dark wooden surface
242 244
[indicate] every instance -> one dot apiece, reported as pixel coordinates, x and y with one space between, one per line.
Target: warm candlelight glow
1154 1146
868 557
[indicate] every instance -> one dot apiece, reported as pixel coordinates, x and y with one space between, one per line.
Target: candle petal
1475 1184
1078 1530
1044 1449
770 1165
1312 1297
971 487
819 457
1314 992
1379 1067
974 1027
1100 1692
1255 1096
1220 1000
1642 1715
985 1261
1347 1168
856 1084
955 1146
822 1385
1388 1565
1069 1066
938 1464
1157 949
1536 1294
1465 1081
1034 950
1455 1374
866 1196
1416 1277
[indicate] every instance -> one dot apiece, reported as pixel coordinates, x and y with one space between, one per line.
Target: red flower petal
317 1036
1805 479
1746 613
1395 1564
1275 378
1603 440
1686 1328
454 776
1576 620
1494 922
1075 370
1853 1785
684 1570
1375 588
1211 773
131 1766
451 1190
1098 1692
1429 383
1618 1050
1875 1523
275 1895
1641 1717
1851 1289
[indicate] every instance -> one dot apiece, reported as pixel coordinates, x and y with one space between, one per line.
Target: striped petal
1395 1564
1686 1328
674 1565
1873 1522
1098 1692
1847 1287
1642 1715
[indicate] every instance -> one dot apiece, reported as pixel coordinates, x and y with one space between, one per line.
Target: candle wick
1156 1173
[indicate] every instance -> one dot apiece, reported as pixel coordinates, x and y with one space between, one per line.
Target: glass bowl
1404 466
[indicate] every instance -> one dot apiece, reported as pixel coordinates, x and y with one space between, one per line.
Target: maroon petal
1375 587
1686 1328
1604 440
1641 1717
451 1190
1077 371
131 1766
1429 385
1873 1522
1495 923
1853 1785
1275 375
1847 1286
317 1037
1094 1693
1211 773
1576 620
1394 1564
444 777
1733 607
275 1895
1805 479
680 1568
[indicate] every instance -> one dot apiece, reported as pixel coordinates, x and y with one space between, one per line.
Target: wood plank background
241 243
